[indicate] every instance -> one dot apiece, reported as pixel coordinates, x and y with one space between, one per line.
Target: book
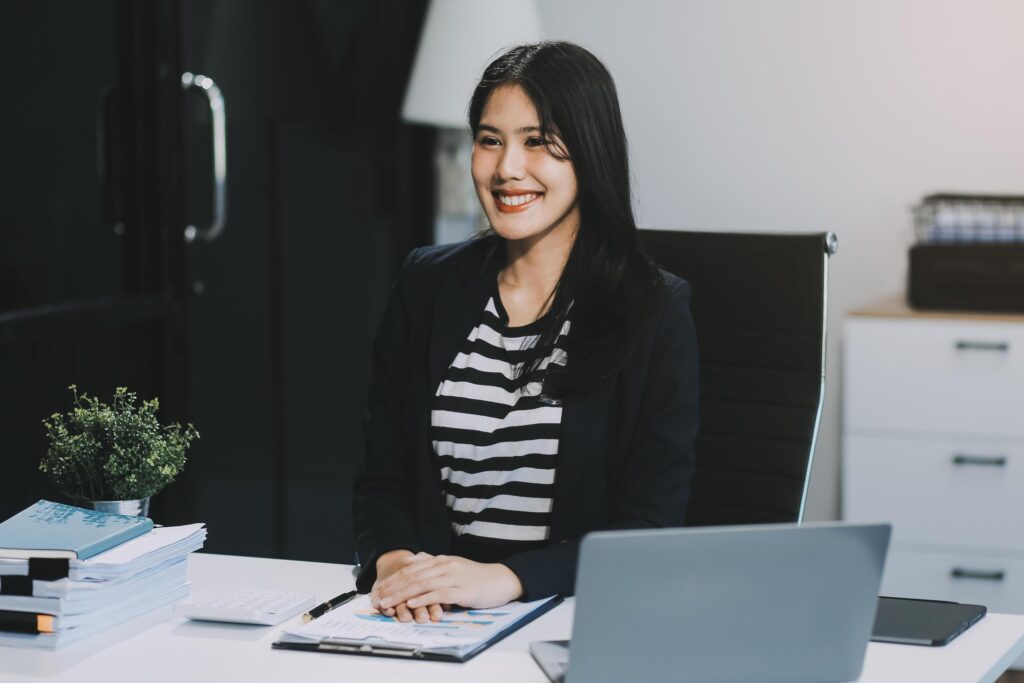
151 549
50 530
109 620
357 628
52 620
66 597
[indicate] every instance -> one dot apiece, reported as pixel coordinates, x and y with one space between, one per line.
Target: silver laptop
753 603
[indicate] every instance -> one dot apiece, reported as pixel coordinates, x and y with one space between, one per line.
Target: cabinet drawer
947 493
934 376
993 581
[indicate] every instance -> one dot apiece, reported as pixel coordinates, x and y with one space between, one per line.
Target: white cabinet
933 442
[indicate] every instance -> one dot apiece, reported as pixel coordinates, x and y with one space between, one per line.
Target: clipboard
338 646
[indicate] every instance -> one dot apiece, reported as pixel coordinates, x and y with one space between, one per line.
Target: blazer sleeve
654 485
384 487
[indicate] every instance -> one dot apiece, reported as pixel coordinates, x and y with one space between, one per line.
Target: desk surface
160 648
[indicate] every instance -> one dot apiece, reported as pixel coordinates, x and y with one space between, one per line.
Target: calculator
248 606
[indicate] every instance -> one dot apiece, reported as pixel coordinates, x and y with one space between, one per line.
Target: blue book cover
54 530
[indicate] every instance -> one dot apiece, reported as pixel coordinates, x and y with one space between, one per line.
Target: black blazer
625 457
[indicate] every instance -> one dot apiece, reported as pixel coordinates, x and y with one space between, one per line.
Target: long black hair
611 288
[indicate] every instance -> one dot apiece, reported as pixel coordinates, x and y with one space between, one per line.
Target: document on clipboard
356 628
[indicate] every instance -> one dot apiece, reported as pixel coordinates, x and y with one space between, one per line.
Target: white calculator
248 606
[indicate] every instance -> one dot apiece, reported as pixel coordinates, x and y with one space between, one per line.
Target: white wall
782 115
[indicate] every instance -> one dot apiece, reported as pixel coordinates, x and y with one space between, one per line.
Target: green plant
113 452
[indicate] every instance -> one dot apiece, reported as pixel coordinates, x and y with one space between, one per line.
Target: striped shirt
495 438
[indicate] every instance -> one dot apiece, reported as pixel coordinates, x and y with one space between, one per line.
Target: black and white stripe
496 441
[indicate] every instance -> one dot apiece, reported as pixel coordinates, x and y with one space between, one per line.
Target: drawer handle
966 345
985 460
959 573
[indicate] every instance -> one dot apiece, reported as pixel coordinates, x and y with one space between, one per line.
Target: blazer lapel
579 448
458 307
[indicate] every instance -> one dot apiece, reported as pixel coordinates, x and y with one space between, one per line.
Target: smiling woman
537 382
526 191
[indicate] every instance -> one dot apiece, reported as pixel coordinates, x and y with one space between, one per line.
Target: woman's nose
510 165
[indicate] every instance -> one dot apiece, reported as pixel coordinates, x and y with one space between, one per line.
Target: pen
325 607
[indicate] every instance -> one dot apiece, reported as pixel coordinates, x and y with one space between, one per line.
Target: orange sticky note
44 623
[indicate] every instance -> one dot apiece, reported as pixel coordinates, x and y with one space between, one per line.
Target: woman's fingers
416 590
421 614
436 597
375 604
398 583
424 567
396 591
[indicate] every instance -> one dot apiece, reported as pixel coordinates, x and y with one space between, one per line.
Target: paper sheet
459 628
158 538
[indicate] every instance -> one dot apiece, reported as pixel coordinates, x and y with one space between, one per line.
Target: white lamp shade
460 38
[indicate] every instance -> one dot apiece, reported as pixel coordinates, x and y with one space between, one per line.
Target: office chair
759 306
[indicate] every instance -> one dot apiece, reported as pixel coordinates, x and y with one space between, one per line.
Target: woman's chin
513 233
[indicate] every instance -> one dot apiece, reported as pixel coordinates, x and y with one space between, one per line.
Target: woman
537 382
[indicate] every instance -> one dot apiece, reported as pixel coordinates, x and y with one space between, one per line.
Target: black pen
325 607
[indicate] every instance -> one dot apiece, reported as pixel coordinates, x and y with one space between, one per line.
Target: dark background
260 338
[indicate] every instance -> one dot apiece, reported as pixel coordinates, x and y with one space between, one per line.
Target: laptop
747 603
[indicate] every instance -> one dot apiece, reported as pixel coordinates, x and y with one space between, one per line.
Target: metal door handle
987 460
108 157
968 345
205 85
960 573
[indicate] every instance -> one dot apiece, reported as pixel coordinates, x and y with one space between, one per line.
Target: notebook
764 603
49 530
158 546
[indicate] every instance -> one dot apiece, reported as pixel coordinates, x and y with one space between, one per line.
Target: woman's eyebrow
518 131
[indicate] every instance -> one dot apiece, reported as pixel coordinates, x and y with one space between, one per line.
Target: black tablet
922 622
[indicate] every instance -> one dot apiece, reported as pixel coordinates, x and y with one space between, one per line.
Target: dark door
90 265
257 331
327 190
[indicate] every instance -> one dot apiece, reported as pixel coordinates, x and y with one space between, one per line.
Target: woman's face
527 193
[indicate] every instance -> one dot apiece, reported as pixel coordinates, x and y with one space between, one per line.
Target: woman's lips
515 202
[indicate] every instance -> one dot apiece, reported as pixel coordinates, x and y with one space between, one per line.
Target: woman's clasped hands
421 586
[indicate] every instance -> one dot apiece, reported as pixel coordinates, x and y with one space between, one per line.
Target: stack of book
68 572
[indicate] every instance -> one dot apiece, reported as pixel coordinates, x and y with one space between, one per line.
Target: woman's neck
537 263
531 273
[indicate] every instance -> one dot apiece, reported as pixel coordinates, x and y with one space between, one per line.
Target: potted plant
114 457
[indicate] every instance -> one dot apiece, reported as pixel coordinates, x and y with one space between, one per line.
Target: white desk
160 648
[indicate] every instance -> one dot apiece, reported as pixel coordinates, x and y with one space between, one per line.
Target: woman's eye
487 141
536 142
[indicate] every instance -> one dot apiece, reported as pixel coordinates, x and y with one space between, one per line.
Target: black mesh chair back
759 306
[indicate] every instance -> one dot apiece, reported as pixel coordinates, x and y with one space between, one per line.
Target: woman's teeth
516 200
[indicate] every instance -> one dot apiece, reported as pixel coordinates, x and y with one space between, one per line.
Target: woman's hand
389 563
447 580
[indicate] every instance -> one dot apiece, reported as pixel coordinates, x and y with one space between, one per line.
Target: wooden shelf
897 307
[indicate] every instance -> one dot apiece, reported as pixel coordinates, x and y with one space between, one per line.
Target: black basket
973 277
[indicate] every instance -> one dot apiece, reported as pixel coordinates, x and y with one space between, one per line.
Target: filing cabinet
933 442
